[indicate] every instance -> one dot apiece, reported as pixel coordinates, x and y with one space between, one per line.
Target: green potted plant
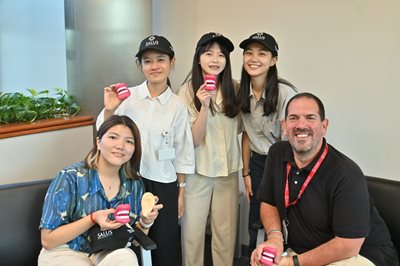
17 107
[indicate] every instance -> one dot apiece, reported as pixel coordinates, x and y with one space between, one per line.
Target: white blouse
163 122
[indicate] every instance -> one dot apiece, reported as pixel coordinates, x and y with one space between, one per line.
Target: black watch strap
295 261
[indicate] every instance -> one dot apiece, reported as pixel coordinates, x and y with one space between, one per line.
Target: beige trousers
353 261
64 255
216 197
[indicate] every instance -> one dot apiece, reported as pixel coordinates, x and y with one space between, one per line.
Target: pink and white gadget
121 213
122 91
268 255
211 82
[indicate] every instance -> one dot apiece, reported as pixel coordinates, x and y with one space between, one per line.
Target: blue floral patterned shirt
76 192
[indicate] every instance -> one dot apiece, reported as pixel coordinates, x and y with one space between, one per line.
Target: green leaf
33 92
17 107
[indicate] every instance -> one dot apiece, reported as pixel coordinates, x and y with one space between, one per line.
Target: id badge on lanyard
166 151
285 232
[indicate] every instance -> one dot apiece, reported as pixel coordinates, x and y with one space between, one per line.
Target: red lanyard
308 180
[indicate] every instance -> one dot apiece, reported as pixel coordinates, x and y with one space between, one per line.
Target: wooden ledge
44 125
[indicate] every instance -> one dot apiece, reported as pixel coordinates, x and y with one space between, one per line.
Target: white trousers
216 197
64 255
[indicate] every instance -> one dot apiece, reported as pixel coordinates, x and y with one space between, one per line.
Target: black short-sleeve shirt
335 203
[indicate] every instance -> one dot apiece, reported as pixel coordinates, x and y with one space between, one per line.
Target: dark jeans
257 164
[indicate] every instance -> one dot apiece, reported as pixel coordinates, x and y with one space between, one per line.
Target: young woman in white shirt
213 189
167 144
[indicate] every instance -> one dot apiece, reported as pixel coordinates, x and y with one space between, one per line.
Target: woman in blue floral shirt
86 193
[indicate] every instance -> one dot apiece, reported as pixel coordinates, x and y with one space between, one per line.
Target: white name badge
166 154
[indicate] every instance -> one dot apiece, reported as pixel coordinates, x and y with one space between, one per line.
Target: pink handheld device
122 91
211 82
268 255
121 213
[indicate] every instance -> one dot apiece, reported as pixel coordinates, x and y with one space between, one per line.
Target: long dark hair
132 167
270 93
195 77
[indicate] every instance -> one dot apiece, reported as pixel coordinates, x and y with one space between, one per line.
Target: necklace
112 183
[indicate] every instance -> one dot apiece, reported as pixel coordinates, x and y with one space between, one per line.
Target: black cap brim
153 49
273 50
246 42
225 42
219 39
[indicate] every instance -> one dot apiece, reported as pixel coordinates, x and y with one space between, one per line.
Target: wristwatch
181 184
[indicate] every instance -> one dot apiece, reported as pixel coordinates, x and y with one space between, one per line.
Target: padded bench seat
21 208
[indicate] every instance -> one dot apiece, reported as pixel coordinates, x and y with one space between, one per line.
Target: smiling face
304 128
212 61
257 60
156 66
116 146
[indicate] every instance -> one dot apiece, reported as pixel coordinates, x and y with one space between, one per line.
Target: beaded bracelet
145 226
280 237
274 230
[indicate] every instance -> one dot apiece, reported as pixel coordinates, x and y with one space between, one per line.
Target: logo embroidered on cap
151 41
259 36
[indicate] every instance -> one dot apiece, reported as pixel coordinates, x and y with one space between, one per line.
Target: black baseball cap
156 42
265 39
109 239
215 37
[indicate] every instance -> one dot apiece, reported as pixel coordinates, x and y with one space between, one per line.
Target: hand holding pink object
268 255
211 82
121 213
122 91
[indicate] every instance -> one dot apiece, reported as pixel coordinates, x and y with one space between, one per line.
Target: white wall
41 156
346 52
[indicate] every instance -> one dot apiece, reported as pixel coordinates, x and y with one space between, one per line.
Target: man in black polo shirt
316 198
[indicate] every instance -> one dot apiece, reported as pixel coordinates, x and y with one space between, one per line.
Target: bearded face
304 128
